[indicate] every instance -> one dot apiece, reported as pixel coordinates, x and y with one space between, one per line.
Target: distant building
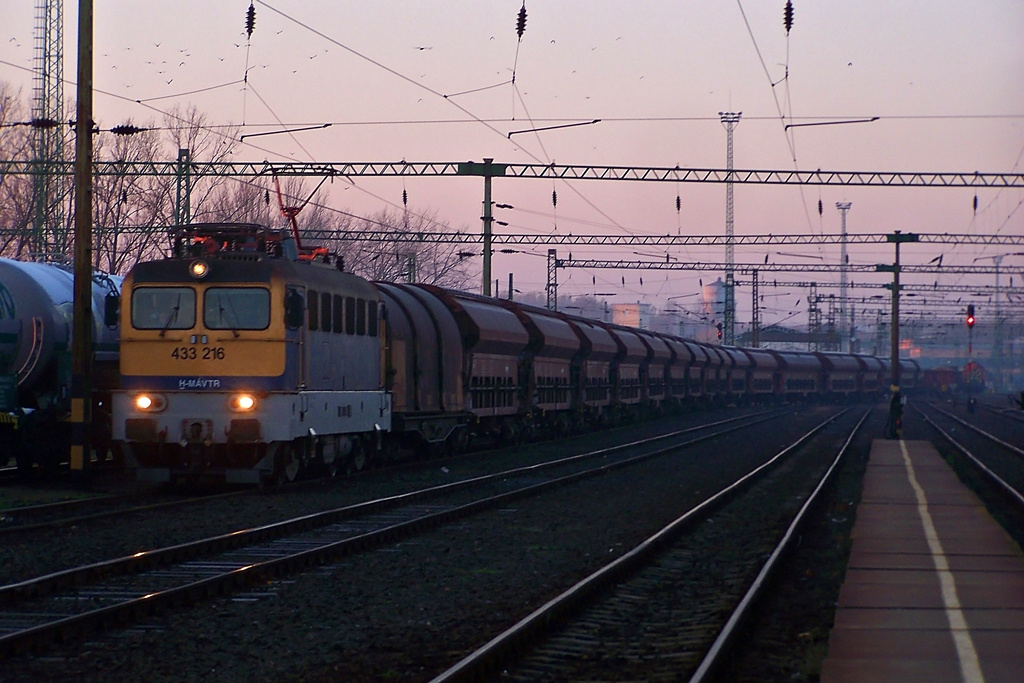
713 299
632 315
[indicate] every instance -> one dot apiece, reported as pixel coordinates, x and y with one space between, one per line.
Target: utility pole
82 324
488 170
970 356
729 120
895 424
844 332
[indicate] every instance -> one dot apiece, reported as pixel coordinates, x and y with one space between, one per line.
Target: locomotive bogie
231 440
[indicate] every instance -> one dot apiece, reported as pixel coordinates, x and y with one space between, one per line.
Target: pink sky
945 78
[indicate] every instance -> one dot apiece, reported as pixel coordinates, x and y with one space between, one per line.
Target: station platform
934 589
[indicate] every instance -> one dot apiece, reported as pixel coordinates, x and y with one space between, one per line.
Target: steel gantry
780 267
673 174
521 239
489 170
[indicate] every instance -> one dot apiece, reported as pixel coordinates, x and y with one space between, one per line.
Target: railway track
83 599
673 603
991 443
74 512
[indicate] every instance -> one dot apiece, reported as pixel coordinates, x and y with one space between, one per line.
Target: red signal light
970 315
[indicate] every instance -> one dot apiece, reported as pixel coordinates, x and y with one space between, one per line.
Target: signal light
970 315
719 330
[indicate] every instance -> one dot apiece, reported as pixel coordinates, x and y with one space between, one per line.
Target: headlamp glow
243 403
150 403
199 269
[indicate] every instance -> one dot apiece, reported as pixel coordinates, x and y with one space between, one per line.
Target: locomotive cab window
163 308
236 308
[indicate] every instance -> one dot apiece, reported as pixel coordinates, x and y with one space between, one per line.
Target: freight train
36 315
247 359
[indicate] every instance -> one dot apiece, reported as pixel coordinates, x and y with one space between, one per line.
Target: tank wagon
36 322
247 359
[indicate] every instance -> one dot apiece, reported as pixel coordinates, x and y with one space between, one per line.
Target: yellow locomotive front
214 366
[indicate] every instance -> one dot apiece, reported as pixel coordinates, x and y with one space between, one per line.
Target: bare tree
445 265
15 191
187 129
130 212
243 201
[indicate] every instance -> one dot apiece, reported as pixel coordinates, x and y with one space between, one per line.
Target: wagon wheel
286 462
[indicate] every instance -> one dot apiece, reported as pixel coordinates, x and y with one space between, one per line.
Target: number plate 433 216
198 353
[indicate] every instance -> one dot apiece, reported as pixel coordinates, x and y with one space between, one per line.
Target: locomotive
247 358
36 321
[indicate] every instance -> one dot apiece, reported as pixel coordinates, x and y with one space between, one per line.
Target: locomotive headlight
150 403
199 269
243 403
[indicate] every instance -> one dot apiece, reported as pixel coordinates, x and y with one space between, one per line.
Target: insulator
975 203
821 208
787 16
250 20
266 197
43 124
554 198
405 197
126 129
124 196
521 22
679 204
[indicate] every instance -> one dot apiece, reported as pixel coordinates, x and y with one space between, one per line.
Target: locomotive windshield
236 308
163 308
